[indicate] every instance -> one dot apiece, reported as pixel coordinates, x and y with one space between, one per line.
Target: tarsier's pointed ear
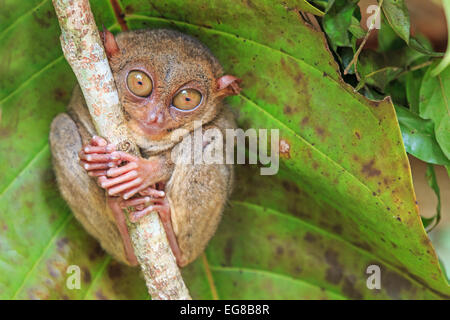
110 44
228 85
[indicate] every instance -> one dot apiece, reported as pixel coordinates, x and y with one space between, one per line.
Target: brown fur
197 193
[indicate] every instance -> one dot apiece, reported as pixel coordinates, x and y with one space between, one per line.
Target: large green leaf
397 14
418 137
435 105
343 198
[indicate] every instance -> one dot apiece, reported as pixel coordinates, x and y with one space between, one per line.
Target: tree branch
83 49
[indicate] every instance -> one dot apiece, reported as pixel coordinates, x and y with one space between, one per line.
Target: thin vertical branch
83 49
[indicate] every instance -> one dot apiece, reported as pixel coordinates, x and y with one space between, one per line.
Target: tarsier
166 81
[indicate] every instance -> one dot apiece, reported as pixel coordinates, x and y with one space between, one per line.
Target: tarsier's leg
149 200
81 192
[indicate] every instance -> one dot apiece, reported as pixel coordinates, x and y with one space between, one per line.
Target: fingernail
110 164
110 148
147 199
88 158
162 193
86 149
86 166
126 196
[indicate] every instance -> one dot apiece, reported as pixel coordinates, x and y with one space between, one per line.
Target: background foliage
343 198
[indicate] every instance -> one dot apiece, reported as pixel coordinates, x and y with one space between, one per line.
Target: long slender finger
134 202
97 173
114 172
129 193
124 156
102 149
96 166
124 186
120 179
152 193
98 141
137 215
94 157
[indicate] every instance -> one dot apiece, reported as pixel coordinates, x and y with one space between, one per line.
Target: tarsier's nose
155 116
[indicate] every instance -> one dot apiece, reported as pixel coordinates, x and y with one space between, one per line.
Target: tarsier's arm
137 184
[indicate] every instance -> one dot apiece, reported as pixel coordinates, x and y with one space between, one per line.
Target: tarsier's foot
121 222
149 200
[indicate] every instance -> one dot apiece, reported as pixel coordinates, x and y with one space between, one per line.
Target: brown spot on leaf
86 275
60 94
99 294
44 21
96 251
369 170
228 251
334 272
305 121
114 270
288 110
320 131
61 243
279 251
394 284
337 229
290 186
309 237
348 288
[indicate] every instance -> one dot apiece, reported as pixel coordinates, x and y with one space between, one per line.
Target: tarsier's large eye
139 83
187 99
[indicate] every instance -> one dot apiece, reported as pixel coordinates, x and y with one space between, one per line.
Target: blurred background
428 19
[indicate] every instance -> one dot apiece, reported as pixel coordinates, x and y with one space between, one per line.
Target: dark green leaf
337 22
418 45
397 14
387 38
434 105
446 60
418 137
305 6
355 29
413 84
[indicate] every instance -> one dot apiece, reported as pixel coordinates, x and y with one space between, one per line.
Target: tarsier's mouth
151 129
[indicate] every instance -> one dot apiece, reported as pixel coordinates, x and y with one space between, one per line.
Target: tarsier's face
166 81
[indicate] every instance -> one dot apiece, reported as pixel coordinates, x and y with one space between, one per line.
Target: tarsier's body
166 81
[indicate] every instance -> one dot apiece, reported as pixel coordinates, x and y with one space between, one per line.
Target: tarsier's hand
98 156
101 160
136 175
